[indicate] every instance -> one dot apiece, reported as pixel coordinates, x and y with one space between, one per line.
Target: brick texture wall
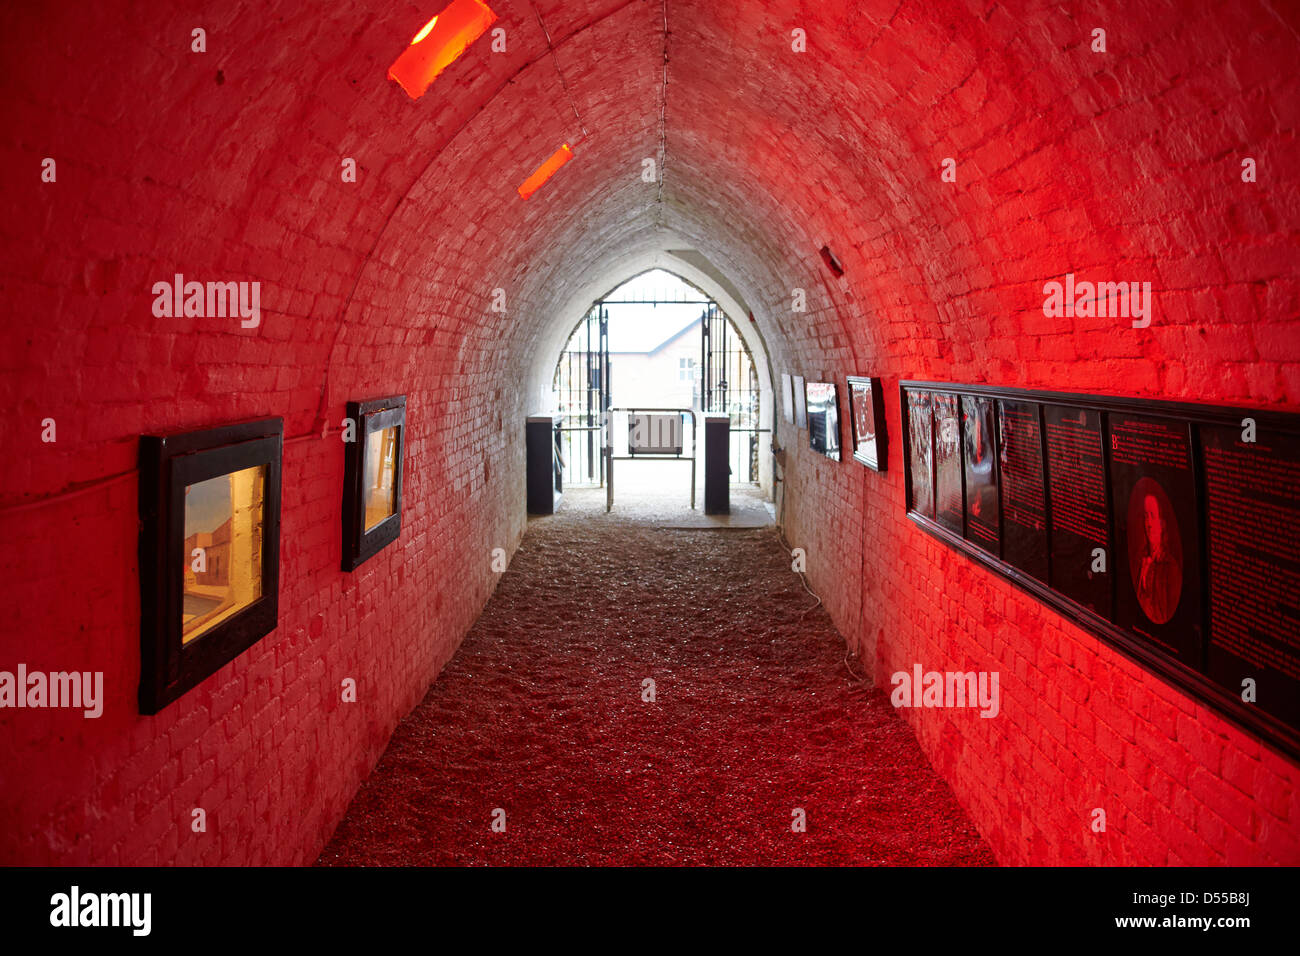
225 165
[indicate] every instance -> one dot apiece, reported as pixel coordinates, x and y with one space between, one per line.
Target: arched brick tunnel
225 165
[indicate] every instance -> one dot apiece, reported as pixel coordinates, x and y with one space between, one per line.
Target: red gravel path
540 714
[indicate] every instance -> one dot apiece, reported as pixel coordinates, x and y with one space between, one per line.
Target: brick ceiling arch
228 167
1118 164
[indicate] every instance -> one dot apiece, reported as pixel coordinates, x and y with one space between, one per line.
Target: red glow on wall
438 43
545 171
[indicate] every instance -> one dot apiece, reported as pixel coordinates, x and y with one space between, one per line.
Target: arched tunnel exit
283 289
638 379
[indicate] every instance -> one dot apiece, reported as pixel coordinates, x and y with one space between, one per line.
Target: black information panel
1253 514
947 463
982 522
1024 498
1171 530
919 454
1076 497
1157 539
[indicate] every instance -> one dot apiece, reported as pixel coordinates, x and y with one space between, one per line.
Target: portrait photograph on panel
1153 490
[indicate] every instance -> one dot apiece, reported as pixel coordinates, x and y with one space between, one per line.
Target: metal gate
729 385
582 389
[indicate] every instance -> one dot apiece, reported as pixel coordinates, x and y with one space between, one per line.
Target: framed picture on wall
867 419
787 397
800 404
824 418
372 479
209 552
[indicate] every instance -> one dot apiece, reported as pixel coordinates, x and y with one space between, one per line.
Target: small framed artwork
824 418
787 397
372 479
800 404
209 552
867 417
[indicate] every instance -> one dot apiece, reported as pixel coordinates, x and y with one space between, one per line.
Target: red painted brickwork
225 165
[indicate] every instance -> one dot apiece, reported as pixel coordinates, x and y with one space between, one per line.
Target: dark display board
1076 500
1024 497
867 421
983 525
1171 530
1252 495
1157 536
920 457
949 503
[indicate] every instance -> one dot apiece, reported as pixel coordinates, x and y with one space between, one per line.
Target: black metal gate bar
729 385
581 386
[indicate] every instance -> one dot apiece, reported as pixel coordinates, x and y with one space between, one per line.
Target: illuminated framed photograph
209 552
823 412
867 414
372 479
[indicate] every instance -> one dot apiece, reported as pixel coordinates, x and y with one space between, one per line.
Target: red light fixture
545 171
438 43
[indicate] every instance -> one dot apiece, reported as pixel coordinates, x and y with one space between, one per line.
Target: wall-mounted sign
979 466
867 420
1171 530
918 451
823 404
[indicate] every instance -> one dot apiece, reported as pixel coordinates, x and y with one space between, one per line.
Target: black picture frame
360 544
867 422
822 408
800 403
1198 671
168 464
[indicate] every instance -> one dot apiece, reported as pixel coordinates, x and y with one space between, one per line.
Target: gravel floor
756 715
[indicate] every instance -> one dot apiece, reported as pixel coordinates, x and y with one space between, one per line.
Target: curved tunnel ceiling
1062 160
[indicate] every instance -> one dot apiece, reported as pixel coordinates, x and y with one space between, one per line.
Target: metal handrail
610 457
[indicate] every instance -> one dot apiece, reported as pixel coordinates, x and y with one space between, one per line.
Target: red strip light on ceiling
545 171
441 40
